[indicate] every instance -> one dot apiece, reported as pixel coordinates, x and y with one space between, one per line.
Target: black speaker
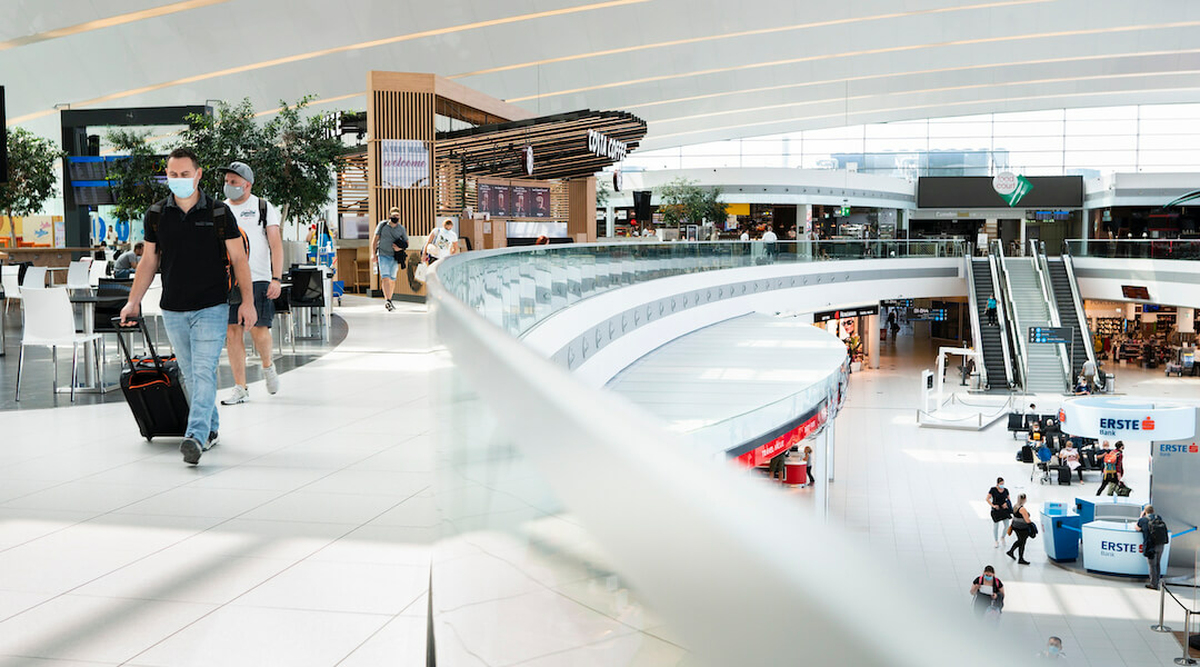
3 140
641 206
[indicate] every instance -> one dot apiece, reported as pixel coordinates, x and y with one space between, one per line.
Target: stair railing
1014 362
1037 250
976 332
1077 301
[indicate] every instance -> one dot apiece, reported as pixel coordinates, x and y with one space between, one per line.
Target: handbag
420 272
1123 490
1033 530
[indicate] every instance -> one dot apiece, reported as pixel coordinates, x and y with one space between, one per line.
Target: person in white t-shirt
442 242
745 235
260 221
769 235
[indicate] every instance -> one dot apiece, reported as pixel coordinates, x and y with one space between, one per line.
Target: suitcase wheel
149 438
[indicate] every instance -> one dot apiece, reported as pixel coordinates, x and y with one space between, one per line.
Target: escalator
991 342
1068 313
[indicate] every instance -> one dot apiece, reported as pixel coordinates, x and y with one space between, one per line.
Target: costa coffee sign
602 145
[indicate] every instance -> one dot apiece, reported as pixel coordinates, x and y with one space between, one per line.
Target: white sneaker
272 378
240 395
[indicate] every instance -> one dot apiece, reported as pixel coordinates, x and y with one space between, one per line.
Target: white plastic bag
420 271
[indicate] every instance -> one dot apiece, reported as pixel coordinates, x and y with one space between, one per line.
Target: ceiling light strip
864 52
842 114
841 98
335 50
120 19
745 33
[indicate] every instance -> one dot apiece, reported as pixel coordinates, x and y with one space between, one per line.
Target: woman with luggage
988 592
998 500
1022 525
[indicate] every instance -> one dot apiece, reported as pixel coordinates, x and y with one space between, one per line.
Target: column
610 220
872 348
1022 253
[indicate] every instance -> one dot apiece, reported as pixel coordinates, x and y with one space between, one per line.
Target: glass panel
1168 142
1125 126
1107 143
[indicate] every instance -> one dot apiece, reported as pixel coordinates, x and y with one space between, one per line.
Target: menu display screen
513 201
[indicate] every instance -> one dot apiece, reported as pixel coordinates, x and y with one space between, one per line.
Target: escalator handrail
1041 268
1080 314
980 367
1002 287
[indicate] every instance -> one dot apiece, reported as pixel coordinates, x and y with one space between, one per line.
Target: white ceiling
751 67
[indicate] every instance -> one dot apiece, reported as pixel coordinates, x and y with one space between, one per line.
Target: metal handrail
976 332
1077 301
1001 316
1042 269
1013 319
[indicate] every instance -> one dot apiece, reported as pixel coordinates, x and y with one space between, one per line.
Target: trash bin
1062 532
1110 383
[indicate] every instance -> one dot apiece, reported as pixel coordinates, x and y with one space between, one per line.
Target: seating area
46 310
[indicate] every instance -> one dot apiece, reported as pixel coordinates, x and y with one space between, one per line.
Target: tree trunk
283 215
12 229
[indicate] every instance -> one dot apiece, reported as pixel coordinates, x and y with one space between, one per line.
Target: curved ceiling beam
110 22
862 52
746 33
331 51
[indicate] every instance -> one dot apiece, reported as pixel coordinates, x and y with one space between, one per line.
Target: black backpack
220 219
1158 531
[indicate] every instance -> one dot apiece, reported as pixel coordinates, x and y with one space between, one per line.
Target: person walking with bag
988 592
1154 538
1114 469
389 247
1002 511
198 245
1022 525
260 221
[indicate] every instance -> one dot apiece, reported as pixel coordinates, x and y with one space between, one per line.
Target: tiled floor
304 539
286 546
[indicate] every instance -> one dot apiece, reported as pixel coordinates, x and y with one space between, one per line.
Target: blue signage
1119 547
1049 334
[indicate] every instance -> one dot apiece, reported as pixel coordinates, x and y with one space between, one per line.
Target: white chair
98 270
35 278
151 308
49 322
9 278
78 274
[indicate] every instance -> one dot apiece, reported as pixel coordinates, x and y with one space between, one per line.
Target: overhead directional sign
1049 334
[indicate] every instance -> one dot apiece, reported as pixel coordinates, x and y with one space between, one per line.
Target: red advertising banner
763 454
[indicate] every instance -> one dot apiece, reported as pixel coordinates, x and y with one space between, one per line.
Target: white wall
1171 283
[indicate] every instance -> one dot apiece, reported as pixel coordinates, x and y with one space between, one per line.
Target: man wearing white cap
260 221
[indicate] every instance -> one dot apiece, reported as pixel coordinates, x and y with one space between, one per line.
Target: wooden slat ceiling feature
560 146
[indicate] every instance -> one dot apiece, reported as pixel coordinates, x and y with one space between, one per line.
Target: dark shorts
264 306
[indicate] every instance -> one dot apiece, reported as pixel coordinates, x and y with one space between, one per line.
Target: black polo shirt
191 257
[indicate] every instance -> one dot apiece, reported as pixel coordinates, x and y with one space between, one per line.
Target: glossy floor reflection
290 544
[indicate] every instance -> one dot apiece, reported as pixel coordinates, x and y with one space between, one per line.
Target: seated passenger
1069 456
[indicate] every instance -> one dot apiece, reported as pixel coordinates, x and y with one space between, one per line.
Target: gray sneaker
240 395
272 378
190 448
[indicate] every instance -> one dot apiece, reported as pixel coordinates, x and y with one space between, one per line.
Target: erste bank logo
1167 448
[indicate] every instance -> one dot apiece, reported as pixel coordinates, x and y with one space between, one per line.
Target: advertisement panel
403 163
1128 419
763 454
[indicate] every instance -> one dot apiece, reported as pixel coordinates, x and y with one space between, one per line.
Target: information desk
1108 507
1115 547
1061 532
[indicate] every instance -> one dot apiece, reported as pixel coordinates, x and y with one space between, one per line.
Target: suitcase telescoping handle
140 324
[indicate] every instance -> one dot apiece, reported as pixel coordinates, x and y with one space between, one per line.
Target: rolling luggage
153 389
1064 475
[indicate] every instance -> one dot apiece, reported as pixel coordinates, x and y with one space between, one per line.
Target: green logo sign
1011 187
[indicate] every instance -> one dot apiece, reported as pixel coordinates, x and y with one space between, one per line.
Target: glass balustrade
518 288
1177 249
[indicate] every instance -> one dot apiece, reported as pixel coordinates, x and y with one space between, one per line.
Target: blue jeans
198 336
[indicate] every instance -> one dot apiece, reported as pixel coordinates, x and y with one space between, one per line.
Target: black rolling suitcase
153 389
1064 475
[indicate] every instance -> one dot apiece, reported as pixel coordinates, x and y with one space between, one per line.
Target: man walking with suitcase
195 240
259 220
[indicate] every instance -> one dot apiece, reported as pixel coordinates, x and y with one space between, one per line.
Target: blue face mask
182 187
1053 650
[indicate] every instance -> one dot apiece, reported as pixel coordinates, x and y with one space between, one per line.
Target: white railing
976 330
741 574
1041 267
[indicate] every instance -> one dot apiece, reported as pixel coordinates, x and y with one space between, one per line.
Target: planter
855 366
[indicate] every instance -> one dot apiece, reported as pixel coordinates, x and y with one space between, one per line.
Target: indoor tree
684 202
135 178
31 176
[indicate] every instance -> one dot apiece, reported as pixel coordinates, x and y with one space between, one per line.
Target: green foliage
134 189
684 202
603 191
294 157
31 175
297 173
229 134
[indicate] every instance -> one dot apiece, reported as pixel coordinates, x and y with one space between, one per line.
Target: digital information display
512 201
